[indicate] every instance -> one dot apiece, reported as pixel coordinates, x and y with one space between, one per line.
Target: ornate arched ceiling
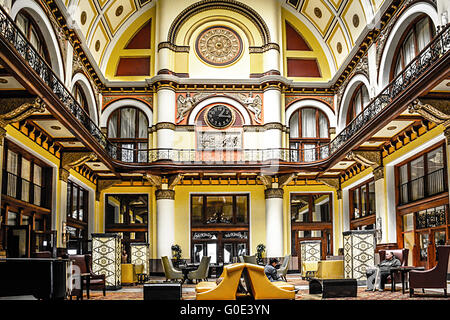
99 20
337 24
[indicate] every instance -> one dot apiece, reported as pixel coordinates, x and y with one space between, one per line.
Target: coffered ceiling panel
337 21
354 19
100 20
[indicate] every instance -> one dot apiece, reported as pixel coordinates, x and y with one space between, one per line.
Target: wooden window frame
407 162
317 141
399 54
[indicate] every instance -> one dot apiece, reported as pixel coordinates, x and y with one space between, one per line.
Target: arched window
128 127
31 31
80 96
359 101
414 40
308 131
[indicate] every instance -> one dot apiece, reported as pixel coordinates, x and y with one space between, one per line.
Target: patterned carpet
135 292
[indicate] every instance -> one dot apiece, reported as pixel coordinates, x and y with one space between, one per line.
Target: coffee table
403 272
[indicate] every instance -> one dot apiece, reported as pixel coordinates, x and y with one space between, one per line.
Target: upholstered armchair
434 278
261 288
170 272
250 259
330 269
282 271
89 279
226 289
96 280
400 254
202 271
309 269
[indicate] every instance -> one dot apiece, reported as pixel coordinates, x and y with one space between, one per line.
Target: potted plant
176 254
260 249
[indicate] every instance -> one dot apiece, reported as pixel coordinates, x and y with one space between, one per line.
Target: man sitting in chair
271 271
381 272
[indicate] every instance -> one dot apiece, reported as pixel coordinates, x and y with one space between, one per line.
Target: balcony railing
419 65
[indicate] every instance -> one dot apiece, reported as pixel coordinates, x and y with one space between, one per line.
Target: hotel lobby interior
172 149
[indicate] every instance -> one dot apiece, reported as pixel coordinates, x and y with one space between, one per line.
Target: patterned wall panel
140 255
106 258
310 250
359 253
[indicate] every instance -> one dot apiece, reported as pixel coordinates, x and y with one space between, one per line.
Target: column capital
378 173
162 194
64 174
272 193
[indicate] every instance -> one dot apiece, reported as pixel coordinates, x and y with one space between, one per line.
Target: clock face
219 116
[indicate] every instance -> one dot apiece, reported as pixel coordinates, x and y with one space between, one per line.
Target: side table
404 273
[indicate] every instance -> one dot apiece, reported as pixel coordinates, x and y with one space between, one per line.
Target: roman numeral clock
220 116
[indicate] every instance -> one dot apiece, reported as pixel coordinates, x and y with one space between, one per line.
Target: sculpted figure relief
254 104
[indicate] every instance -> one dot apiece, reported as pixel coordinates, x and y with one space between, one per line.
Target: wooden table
403 272
186 269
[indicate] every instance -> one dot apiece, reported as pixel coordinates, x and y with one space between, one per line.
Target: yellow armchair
128 273
309 268
261 288
226 289
330 269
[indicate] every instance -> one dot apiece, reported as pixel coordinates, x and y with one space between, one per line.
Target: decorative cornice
153 179
273 193
230 5
165 125
71 160
17 109
285 179
273 125
367 158
103 185
165 194
437 111
173 47
264 48
331 182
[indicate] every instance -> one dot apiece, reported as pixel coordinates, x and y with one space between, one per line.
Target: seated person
383 270
271 271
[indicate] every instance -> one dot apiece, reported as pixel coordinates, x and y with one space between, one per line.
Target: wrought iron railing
419 65
426 58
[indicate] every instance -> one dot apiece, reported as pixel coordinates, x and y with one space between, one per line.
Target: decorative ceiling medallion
219 46
355 21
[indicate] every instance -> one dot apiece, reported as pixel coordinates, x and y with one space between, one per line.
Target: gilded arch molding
231 5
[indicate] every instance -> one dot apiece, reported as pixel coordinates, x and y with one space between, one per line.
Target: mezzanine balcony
401 91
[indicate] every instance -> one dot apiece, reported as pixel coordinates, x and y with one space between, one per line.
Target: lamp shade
106 258
359 253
